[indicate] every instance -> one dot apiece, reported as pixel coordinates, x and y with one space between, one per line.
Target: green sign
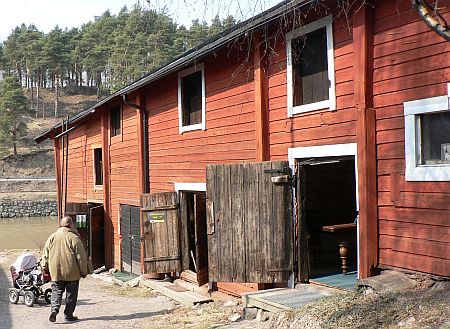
157 217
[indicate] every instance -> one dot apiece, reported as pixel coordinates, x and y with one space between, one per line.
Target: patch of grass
127 291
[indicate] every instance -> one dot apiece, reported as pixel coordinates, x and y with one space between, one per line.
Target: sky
45 14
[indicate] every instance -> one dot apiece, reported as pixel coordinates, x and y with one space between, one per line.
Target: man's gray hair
66 221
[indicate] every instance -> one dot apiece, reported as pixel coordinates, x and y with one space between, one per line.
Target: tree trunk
32 96
14 136
37 96
56 95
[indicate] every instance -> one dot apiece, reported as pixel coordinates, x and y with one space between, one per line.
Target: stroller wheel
29 298
48 295
13 296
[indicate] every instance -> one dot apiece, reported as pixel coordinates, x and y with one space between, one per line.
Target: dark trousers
71 289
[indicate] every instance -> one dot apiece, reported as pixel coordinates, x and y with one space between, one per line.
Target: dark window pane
192 98
435 138
115 121
98 166
310 68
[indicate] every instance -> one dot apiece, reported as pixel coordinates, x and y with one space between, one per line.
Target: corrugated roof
190 56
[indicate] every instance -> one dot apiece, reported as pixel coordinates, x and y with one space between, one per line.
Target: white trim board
201 187
330 151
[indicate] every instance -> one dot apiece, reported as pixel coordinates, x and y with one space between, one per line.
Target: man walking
64 256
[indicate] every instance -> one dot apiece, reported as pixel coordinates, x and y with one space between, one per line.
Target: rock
441 286
249 313
134 282
229 303
112 270
406 321
234 317
262 316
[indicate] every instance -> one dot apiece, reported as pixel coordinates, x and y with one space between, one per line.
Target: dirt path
99 306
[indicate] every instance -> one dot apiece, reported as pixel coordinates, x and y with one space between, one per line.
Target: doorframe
190 187
186 187
330 150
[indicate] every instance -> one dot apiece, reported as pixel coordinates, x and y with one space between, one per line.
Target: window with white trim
310 67
191 99
427 139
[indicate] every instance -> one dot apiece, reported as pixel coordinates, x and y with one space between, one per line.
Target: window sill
428 173
198 126
98 188
116 139
322 105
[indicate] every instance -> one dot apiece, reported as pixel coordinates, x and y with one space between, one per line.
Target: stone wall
22 208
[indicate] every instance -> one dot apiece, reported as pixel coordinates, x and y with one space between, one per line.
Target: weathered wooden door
96 236
161 233
130 233
250 226
201 238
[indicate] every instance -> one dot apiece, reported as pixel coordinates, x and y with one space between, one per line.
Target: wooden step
176 292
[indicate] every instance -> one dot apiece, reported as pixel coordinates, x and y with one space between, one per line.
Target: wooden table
343 245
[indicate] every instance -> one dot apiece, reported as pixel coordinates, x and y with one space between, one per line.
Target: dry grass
204 316
426 309
127 291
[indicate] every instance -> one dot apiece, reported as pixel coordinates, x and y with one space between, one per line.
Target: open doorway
328 196
194 240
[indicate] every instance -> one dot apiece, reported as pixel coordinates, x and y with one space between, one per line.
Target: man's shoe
52 317
71 318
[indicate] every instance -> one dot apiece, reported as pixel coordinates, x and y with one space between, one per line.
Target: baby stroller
28 279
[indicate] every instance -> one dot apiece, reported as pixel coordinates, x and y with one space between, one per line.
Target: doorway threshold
337 280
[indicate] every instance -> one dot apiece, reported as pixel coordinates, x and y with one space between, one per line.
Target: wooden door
249 222
130 242
201 238
96 236
161 233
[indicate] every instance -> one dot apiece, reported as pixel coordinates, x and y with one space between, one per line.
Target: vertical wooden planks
236 225
252 237
161 232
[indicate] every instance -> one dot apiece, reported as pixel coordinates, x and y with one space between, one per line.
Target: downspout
144 139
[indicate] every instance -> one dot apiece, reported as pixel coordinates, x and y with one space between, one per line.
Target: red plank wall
410 62
124 177
230 124
318 127
82 140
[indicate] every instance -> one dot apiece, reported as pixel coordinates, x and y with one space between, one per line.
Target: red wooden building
291 133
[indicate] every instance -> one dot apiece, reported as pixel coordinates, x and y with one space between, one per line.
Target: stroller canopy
24 262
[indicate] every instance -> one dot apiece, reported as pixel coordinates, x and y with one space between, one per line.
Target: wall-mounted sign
81 221
157 217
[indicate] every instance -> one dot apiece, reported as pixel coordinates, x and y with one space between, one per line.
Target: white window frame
330 103
198 126
412 110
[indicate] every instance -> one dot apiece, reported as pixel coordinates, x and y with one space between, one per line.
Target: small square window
115 115
427 139
191 99
98 166
310 67
435 138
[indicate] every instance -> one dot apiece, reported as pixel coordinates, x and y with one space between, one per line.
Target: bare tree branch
431 16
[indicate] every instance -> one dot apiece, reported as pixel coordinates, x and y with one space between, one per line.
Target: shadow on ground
5 284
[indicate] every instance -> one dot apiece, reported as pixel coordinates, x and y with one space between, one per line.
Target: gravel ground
103 304
100 305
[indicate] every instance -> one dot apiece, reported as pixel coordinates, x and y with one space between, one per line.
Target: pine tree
13 106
